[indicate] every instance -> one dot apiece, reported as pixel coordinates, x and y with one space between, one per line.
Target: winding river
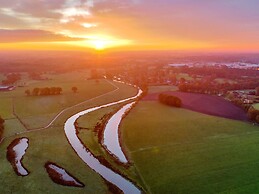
111 139
122 183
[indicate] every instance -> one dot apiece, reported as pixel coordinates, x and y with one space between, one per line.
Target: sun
102 42
99 44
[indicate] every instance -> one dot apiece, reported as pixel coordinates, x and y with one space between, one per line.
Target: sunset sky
221 25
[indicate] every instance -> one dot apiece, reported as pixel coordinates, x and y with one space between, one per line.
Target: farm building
6 88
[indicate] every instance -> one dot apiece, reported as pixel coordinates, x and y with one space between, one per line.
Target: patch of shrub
253 114
1 126
170 100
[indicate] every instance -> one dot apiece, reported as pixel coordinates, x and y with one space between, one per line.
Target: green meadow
256 106
172 150
51 144
180 151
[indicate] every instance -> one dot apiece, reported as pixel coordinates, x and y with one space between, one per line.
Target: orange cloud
9 36
145 24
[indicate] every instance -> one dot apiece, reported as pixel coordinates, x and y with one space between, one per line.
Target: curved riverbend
125 185
111 134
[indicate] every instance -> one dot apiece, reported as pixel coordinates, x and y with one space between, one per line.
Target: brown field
207 104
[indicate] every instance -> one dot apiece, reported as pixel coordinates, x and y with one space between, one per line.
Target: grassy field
38 111
180 151
47 145
13 126
172 150
256 106
158 89
45 106
51 144
6 110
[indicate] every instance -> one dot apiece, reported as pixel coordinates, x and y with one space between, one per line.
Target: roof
6 88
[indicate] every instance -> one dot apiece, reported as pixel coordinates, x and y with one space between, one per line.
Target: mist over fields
20 61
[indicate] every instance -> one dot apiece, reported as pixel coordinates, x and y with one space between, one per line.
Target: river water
20 149
122 183
111 140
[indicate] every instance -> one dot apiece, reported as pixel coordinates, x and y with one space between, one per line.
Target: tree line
44 91
212 87
47 91
170 100
253 114
219 71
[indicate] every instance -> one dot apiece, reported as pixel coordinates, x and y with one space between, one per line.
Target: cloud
43 8
166 20
9 36
72 13
144 21
123 7
8 21
89 25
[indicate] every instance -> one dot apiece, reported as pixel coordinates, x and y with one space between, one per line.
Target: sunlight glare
99 44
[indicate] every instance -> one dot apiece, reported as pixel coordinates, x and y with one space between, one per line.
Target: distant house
6 88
